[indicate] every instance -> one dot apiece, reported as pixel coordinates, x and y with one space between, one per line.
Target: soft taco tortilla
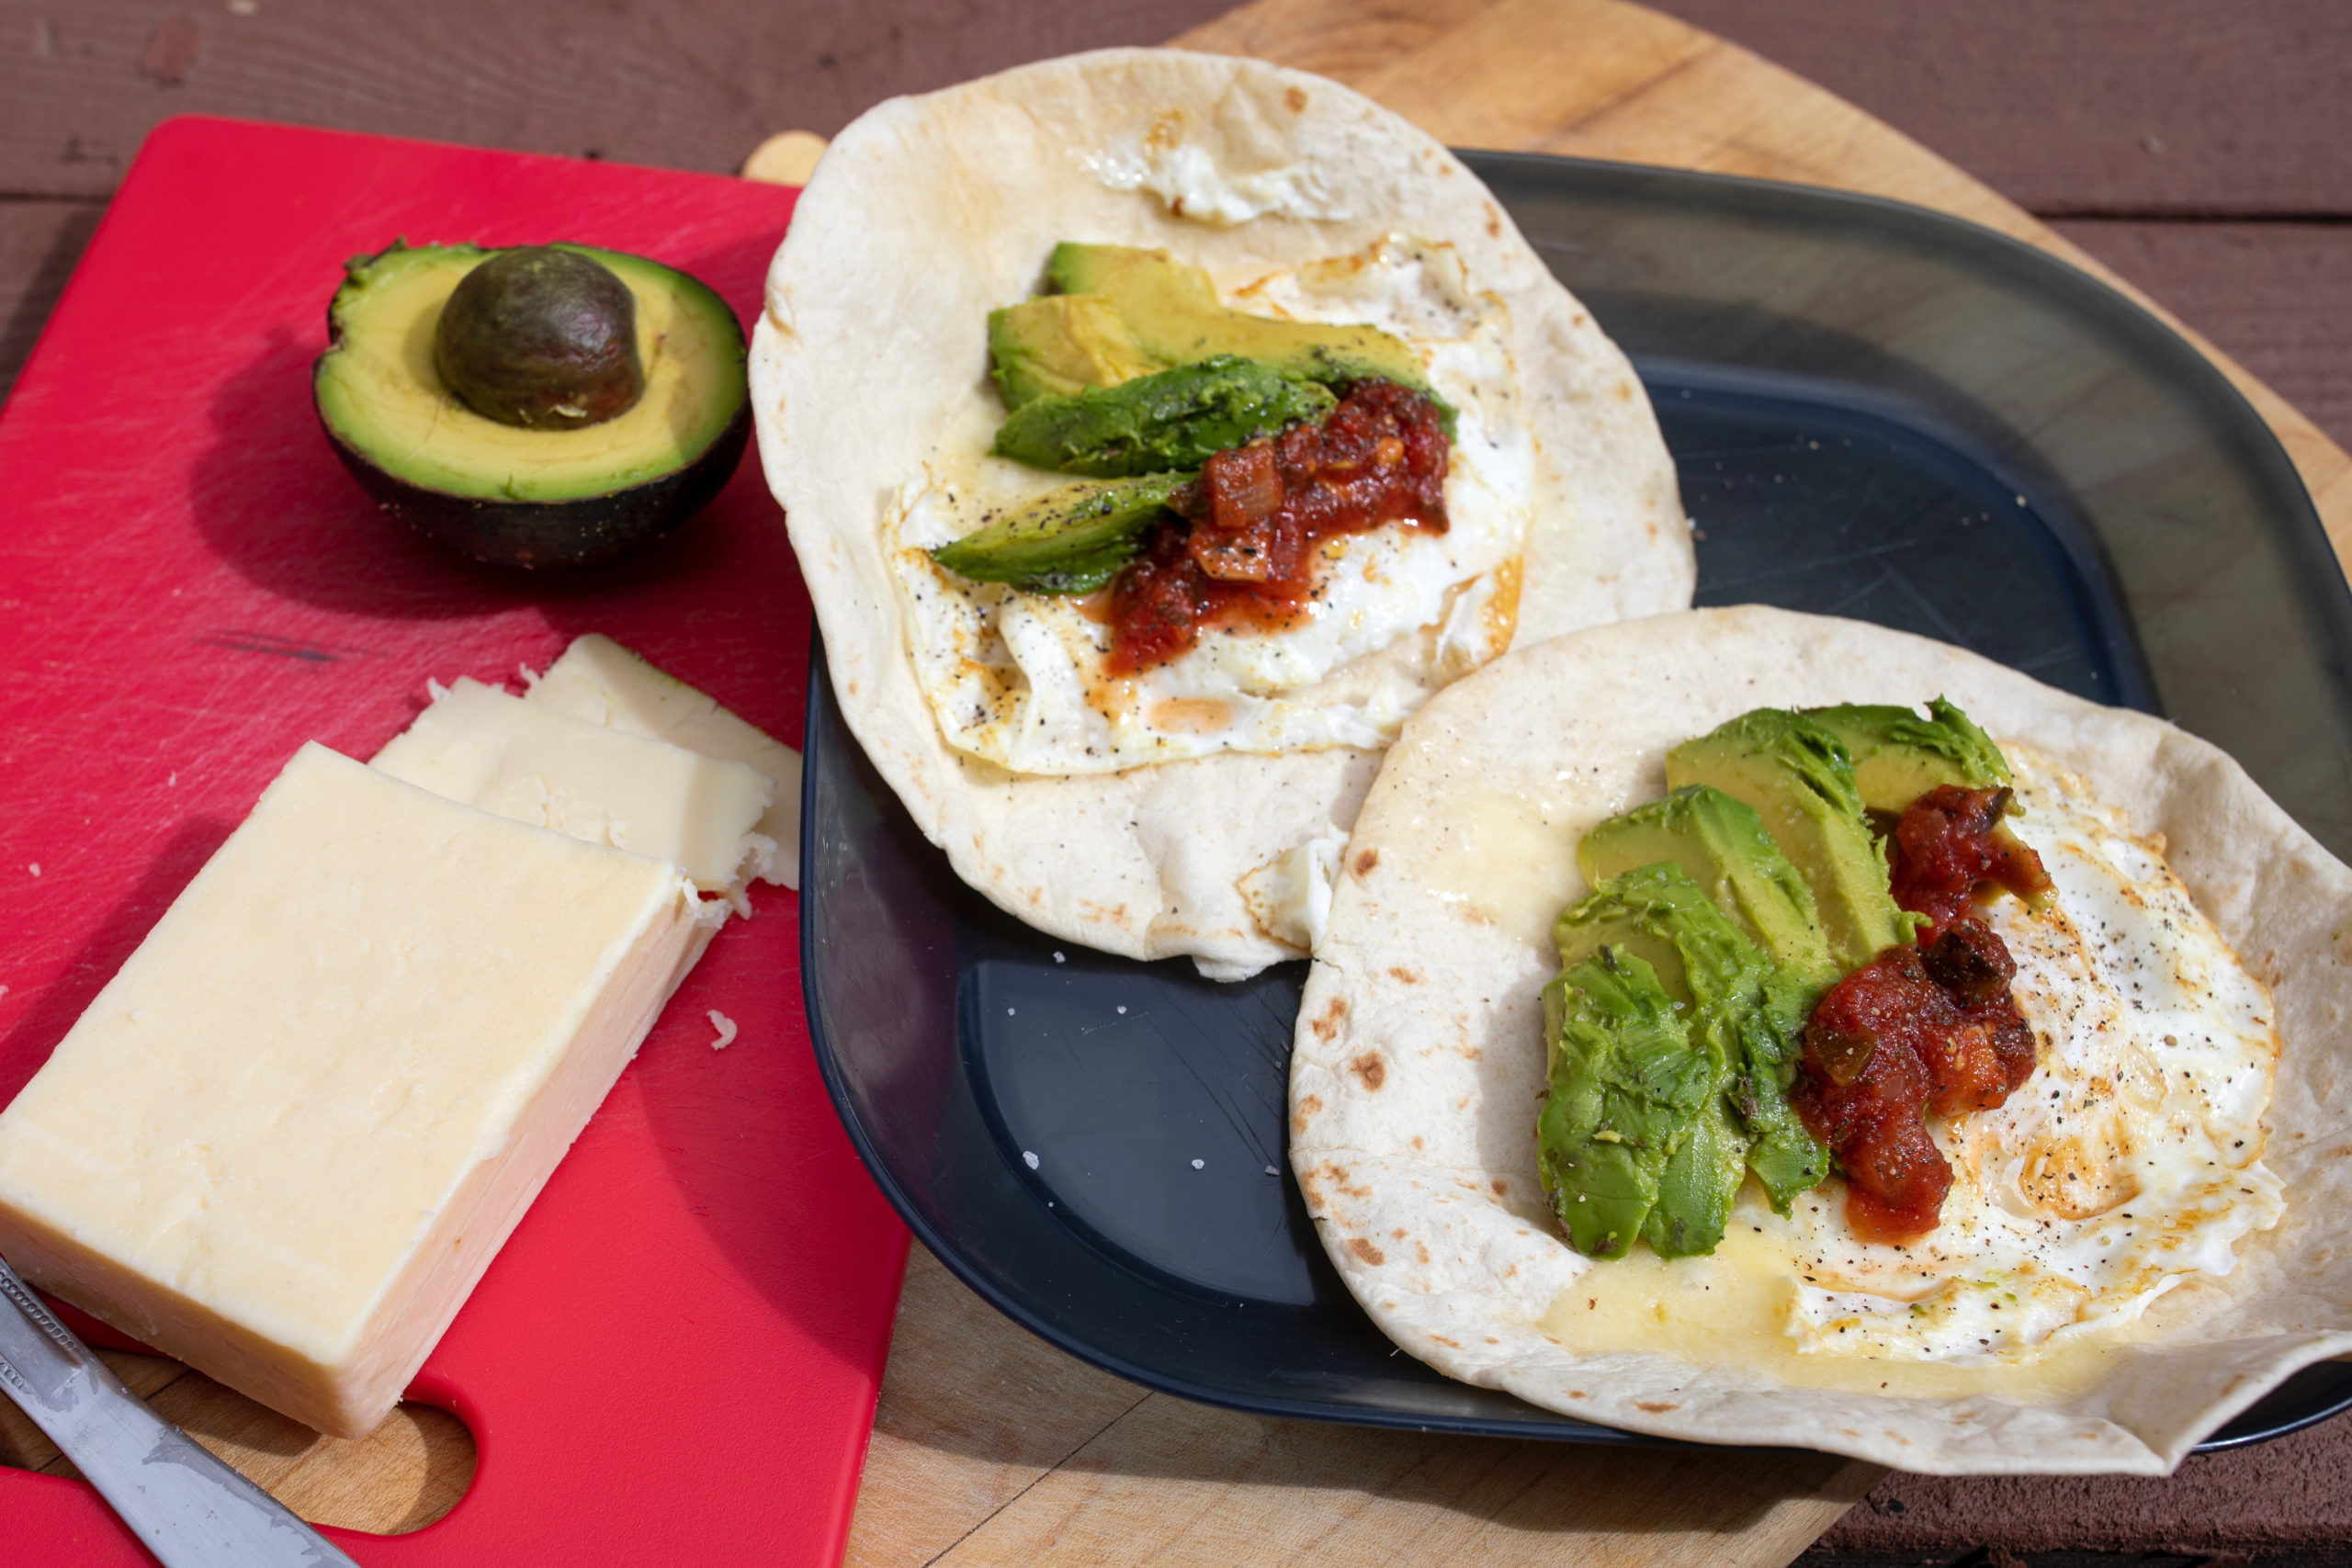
1419 1061
871 361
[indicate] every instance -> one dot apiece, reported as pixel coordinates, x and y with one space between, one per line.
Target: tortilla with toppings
2134 1249
1301 200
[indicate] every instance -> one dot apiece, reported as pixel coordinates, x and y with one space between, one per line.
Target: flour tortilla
1419 1061
872 356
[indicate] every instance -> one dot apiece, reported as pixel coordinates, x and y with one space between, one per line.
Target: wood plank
1177 1483
39 243
682 86
2276 298
2142 107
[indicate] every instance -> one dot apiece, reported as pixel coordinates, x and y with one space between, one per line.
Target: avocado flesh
1062 344
1898 756
384 401
1626 1089
1172 317
1156 424
1797 776
1721 844
1071 540
1745 1010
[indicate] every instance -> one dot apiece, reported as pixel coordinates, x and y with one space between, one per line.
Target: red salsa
1241 545
1928 1028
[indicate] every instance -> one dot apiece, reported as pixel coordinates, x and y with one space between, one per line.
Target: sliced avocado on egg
1071 540
1168 421
1120 311
563 408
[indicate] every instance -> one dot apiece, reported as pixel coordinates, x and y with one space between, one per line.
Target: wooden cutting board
990 1447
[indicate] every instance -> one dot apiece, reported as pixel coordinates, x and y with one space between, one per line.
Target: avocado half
518 496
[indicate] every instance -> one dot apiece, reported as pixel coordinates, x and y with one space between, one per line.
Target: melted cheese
286 1139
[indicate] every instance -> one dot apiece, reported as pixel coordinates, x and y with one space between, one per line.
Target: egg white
2128 1162
1017 679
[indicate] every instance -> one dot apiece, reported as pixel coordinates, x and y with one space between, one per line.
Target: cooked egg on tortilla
1018 678
2135 1246
1136 814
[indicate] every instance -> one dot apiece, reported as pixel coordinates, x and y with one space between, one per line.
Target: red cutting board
676 1358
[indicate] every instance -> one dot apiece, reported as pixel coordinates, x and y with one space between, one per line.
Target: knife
185 1506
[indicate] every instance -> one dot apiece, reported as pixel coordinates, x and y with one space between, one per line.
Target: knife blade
185 1506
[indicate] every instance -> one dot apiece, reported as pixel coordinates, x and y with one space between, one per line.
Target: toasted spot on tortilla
1441 1339
1416 1140
1327 1024
1307 1106
1296 98
1367 861
1420 1253
1368 1068
1366 1251
1655 1407
1398 973
1501 1187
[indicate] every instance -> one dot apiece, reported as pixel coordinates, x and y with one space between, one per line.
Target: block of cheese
478 745
600 681
286 1138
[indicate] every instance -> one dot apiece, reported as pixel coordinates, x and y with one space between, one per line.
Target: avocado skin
1156 424
1898 756
1744 1011
533 534
1071 540
1799 779
1626 1088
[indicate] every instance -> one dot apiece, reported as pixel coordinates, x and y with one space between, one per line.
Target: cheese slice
600 681
525 761
286 1138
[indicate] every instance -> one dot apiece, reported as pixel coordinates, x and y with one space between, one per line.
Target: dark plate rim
2069 286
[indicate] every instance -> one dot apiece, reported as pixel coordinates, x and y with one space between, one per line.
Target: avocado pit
542 339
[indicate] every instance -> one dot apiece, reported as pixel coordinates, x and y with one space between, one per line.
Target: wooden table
988 1445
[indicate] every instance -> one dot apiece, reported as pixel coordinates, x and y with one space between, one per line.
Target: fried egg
2128 1163
1018 679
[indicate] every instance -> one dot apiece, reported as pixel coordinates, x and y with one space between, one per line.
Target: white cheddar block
600 681
290 1133
478 745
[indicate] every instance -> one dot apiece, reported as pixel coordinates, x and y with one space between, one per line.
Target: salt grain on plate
1029 1159
36 870
1197 1163
725 1027
1271 1171
1061 958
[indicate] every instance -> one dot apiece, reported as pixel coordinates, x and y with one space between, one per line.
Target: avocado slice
1722 845
1071 540
1745 1010
1799 779
1171 317
1626 1089
1061 345
508 493
1898 756
1166 421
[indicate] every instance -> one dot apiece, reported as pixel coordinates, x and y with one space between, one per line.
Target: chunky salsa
1926 1028
1240 547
